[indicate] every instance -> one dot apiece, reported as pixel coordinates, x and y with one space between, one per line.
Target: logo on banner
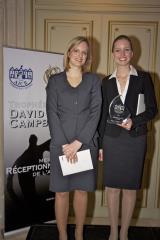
20 77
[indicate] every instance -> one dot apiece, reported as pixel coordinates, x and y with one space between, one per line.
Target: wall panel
54 30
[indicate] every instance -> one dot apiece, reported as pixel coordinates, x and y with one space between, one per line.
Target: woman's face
122 52
78 55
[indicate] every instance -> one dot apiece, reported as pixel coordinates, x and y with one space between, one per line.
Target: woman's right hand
100 156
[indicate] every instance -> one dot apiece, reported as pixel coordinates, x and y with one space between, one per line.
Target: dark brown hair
120 37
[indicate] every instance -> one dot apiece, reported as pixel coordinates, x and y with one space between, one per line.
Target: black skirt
124 160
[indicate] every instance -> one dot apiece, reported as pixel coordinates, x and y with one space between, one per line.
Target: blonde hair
75 42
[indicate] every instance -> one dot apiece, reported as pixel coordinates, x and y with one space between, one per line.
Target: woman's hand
70 150
100 156
126 124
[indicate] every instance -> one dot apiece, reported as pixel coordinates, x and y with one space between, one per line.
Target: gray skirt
85 181
124 160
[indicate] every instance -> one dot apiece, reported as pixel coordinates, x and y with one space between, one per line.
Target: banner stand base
43 232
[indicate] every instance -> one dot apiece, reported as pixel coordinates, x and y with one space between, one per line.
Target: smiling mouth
79 60
122 59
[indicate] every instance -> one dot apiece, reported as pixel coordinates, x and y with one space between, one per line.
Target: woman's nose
122 53
80 54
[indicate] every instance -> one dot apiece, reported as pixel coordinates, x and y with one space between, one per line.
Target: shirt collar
133 72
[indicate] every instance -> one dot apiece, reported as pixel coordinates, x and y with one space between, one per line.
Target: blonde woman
73 109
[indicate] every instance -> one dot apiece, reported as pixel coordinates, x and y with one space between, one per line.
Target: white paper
84 163
141 107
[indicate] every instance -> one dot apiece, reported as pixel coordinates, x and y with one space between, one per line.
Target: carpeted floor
91 232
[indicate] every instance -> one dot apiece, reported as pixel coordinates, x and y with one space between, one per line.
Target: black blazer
138 84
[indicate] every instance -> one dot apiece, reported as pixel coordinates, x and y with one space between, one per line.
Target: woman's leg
113 198
80 208
61 210
128 204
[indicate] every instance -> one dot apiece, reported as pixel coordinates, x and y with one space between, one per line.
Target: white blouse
114 74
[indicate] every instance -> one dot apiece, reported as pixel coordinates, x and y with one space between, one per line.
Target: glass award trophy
118 112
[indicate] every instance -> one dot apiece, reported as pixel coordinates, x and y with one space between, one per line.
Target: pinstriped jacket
73 113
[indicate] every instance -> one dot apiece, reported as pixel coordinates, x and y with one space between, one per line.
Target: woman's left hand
126 124
71 149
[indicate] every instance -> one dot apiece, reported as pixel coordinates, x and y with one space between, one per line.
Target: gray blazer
73 113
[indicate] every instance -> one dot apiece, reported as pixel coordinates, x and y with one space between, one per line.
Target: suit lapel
115 89
131 87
